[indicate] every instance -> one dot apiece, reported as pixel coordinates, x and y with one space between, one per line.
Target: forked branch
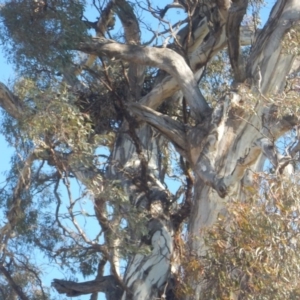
165 59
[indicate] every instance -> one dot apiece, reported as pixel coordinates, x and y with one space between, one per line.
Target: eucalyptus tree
117 106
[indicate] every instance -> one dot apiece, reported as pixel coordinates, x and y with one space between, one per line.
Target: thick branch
269 150
165 59
10 103
267 52
106 284
129 21
131 27
235 17
106 21
242 164
199 31
169 84
279 126
198 59
169 6
172 129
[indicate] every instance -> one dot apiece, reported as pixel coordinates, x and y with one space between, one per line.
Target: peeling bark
140 175
146 275
266 51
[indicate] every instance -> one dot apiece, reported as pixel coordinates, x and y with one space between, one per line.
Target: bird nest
102 109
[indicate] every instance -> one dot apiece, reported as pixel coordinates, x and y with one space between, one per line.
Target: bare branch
169 85
175 4
170 128
131 27
106 284
235 17
165 59
10 103
107 20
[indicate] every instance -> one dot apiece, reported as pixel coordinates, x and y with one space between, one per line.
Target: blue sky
7 74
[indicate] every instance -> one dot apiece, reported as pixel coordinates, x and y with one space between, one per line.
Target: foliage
37 34
253 250
291 41
89 183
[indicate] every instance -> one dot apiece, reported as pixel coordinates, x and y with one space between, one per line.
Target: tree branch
268 149
235 17
15 213
266 51
169 85
172 129
107 20
199 31
169 6
107 284
165 59
12 283
136 72
10 103
208 175
242 164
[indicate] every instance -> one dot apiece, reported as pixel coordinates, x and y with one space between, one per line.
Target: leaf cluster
54 121
41 32
253 251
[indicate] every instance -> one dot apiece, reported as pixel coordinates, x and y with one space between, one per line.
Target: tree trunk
137 163
237 135
221 146
245 134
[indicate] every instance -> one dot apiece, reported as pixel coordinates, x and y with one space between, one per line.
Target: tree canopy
156 149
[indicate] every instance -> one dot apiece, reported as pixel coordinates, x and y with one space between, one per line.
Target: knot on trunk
220 187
